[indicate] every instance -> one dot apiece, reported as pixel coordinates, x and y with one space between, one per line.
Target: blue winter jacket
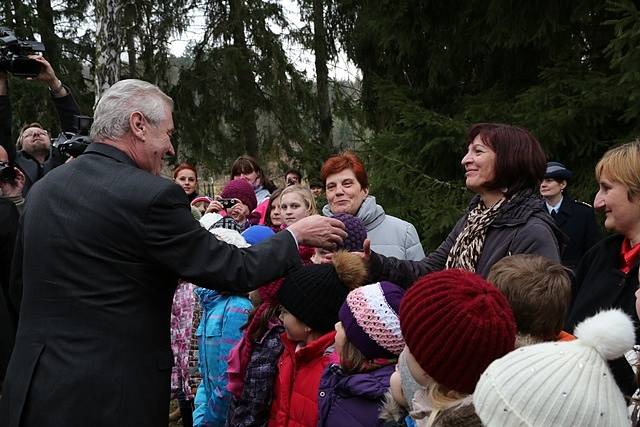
218 332
352 400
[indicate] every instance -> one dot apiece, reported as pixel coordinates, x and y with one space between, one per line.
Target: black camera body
7 172
228 203
74 143
14 54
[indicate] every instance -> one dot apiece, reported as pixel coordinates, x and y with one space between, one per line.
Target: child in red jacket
311 297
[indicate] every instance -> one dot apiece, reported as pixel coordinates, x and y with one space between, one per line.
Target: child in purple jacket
368 342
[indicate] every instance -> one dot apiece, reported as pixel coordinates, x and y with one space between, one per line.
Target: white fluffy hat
559 384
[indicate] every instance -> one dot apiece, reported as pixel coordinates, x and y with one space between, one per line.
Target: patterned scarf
466 250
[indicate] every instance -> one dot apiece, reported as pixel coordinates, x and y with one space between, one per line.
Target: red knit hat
241 190
455 324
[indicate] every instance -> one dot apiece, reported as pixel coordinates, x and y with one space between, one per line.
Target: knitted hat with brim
560 383
455 324
370 319
314 293
241 190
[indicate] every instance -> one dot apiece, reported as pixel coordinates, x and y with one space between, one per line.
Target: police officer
576 219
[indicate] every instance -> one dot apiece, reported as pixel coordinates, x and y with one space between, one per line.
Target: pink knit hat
370 319
241 190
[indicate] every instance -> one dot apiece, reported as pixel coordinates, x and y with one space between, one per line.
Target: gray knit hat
559 383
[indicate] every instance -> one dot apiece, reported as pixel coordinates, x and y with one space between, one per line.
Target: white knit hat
559 384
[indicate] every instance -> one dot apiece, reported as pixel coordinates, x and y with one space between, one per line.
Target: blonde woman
607 275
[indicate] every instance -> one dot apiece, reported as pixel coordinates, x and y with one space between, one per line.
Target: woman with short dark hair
504 166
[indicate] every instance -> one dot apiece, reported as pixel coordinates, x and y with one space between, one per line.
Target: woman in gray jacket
504 166
347 191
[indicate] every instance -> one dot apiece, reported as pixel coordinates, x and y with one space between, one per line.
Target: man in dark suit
103 241
576 219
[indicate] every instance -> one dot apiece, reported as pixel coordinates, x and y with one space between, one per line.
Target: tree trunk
47 33
21 16
322 74
131 54
7 19
107 65
247 93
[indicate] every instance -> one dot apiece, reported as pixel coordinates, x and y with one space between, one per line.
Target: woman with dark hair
504 166
247 168
186 176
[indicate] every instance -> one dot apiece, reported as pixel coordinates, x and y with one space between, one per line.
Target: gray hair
111 116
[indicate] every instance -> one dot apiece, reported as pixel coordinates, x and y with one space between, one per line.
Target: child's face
341 338
201 206
395 386
295 329
293 208
320 256
274 214
239 212
417 372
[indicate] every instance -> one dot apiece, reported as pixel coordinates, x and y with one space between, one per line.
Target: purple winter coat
352 400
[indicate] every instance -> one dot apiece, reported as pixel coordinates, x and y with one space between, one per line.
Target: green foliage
568 71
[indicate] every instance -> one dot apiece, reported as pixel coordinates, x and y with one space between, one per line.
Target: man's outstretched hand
319 231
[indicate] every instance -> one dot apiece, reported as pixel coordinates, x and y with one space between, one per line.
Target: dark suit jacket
8 316
103 246
577 220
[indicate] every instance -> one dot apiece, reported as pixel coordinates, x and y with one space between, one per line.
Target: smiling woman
504 166
347 191
607 275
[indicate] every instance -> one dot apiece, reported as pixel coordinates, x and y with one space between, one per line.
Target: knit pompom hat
455 324
370 319
241 190
560 383
356 232
314 293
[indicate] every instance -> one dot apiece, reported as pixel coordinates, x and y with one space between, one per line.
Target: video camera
7 172
74 143
14 54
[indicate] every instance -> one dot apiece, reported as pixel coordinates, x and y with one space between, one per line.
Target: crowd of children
322 347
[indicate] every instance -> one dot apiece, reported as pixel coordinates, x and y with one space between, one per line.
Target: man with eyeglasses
35 156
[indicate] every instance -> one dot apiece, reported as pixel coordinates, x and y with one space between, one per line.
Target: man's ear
137 124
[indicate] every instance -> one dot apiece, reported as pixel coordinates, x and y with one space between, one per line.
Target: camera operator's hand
48 76
215 207
13 188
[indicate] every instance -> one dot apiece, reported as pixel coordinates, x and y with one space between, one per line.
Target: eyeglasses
35 132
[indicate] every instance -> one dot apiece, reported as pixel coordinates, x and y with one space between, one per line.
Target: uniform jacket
219 331
389 236
103 244
352 400
578 222
295 391
599 284
523 226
